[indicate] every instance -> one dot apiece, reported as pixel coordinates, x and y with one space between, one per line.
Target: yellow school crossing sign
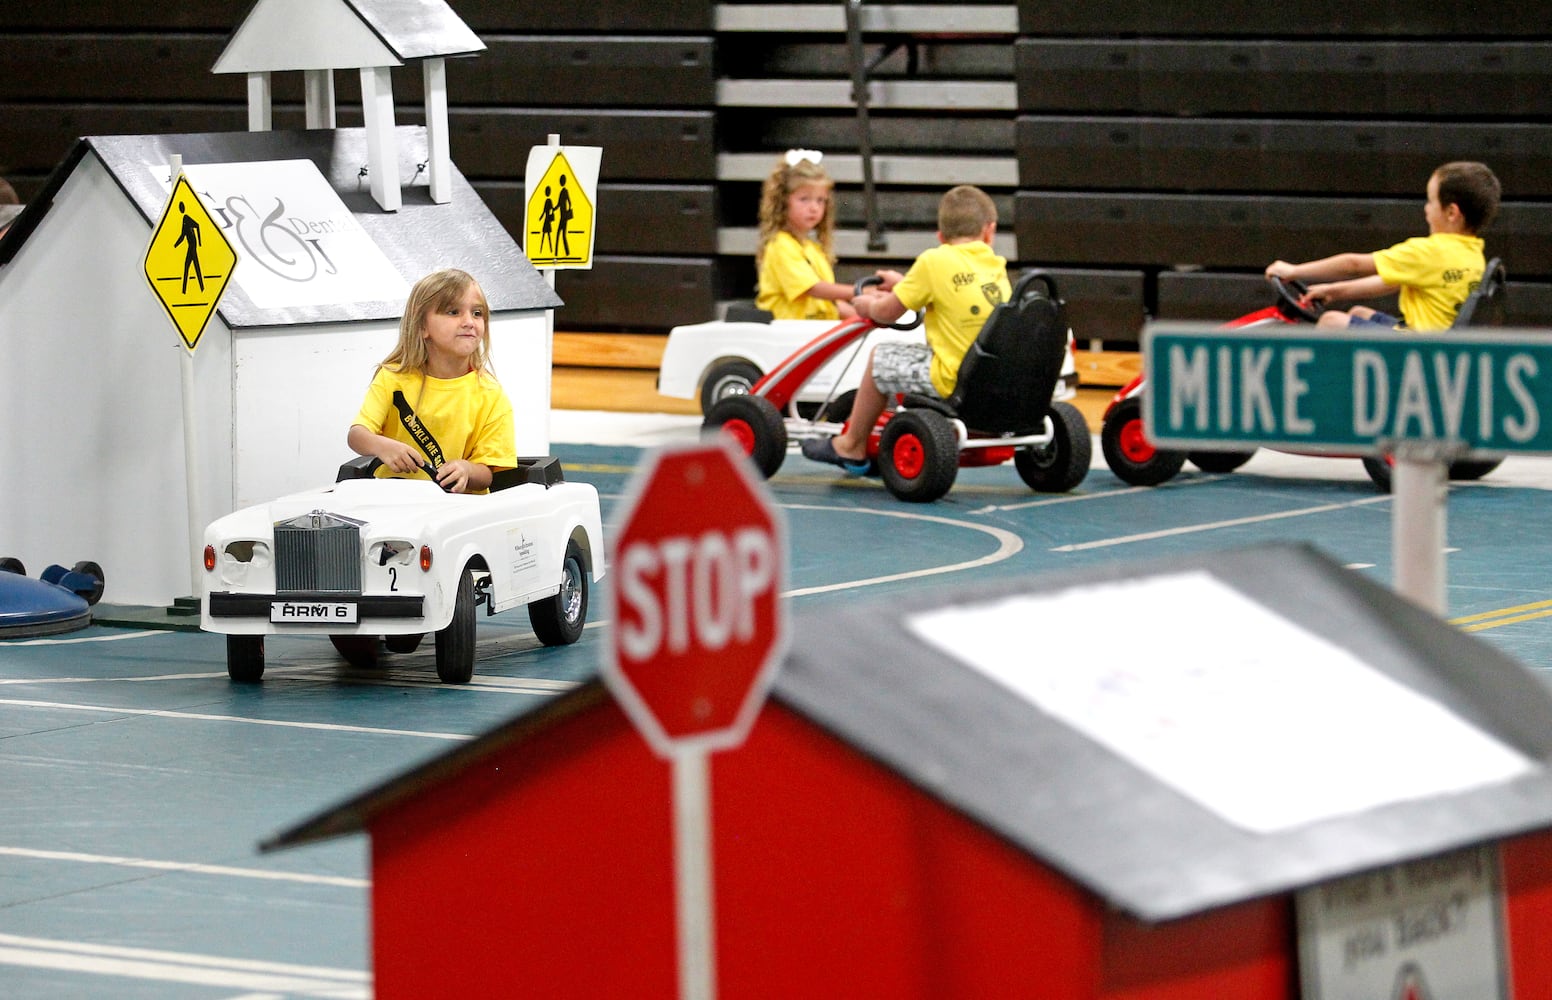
188 263
562 184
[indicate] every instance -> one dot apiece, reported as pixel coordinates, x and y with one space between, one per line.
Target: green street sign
1346 391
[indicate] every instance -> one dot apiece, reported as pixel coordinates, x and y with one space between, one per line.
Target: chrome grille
318 552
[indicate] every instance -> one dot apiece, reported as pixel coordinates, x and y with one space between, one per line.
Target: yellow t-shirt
465 417
1435 273
788 269
958 284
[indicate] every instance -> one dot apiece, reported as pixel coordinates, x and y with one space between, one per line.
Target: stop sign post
697 633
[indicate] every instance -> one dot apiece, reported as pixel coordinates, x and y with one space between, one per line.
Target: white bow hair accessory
796 156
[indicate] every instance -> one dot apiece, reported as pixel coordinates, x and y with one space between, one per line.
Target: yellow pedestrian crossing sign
188 263
560 220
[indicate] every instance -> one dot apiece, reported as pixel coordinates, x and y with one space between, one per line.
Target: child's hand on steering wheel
398 456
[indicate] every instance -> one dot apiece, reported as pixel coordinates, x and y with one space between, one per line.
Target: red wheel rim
1133 445
909 456
742 433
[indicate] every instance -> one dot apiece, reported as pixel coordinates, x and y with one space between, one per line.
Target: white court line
182 967
1008 545
115 637
186 867
1215 525
1082 497
202 717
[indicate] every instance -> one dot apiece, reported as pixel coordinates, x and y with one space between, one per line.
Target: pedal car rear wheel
727 378
755 425
403 643
918 456
360 651
1129 453
558 620
455 643
1058 467
245 658
1219 461
1472 468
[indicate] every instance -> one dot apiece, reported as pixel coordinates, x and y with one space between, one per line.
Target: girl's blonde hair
436 291
784 179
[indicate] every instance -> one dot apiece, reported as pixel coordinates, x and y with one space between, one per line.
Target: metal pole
692 875
1420 487
196 522
859 94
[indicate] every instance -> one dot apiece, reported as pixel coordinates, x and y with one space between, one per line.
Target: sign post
189 263
698 634
1424 399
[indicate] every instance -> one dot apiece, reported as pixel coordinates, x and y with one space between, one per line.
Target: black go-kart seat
1485 305
1008 376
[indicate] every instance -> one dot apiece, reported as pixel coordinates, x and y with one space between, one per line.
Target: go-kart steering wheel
869 282
1290 300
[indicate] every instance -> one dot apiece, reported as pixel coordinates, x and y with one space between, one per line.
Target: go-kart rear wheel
727 378
455 643
1060 465
1219 461
1129 453
754 423
360 651
1473 468
245 658
918 456
1379 470
558 620
88 568
403 643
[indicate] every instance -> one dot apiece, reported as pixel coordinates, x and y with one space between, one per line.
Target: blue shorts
1385 320
901 367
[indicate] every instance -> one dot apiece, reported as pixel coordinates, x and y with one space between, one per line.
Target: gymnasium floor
136 781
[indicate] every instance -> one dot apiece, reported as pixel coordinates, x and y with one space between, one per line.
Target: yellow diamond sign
559 222
189 262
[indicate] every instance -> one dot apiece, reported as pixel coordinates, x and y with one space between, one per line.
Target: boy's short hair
964 211
1472 187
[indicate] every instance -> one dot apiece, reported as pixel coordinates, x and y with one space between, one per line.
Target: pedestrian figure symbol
560 216
190 236
563 207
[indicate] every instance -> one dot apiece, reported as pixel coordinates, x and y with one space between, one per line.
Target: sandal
823 450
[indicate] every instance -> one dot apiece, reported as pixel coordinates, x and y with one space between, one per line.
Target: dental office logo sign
299 244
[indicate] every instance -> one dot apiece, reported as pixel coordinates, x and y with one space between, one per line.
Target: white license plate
312 612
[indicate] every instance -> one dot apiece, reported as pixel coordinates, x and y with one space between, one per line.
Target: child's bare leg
865 410
1335 319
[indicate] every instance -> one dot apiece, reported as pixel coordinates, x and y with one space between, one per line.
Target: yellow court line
1508 621
1538 605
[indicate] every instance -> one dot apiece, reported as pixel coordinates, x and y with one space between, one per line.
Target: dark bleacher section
1155 154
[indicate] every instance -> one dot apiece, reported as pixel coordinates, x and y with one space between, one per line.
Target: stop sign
697 630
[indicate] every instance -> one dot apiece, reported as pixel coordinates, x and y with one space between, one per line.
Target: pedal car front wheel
727 378
455 643
1129 453
918 456
755 425
245 658
1219 461
1058 467
558 620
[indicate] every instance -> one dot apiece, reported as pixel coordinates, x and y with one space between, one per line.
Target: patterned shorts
903 368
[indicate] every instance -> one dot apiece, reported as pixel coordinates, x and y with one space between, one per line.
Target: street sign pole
693 905
196 511
1420 487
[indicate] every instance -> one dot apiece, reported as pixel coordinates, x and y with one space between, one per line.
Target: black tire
245 658
1473 468
1129 454
1379 470
837 412
88 568
403 643
1059 466
558 620
918 456
11 564
1219 461
455 643
755 425
727 378
364 652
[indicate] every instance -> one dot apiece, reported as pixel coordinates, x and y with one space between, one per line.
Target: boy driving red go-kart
1136 461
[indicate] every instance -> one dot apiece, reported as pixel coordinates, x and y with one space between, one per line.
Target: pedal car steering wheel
1290 300
869 282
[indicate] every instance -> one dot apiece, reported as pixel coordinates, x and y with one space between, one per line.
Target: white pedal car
371 562
723 358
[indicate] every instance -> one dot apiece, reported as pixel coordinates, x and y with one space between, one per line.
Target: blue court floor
136 781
